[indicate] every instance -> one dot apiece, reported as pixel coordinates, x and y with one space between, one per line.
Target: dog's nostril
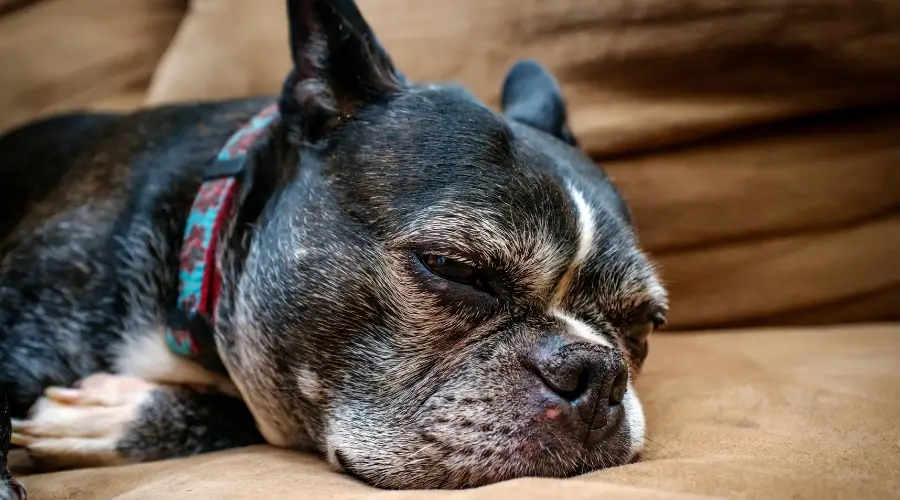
617 390
576 384
570 377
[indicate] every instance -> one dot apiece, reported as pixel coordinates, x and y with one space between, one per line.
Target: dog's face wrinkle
411 380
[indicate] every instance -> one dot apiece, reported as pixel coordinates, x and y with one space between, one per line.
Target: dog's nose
589 380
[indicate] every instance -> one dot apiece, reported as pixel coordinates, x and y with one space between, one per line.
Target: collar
190 324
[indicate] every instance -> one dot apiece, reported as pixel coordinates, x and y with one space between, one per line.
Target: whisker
656 443
427 446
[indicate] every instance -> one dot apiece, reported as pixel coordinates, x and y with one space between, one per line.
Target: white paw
81 426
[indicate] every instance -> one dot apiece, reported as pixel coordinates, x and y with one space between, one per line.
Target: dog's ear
532 96
338 67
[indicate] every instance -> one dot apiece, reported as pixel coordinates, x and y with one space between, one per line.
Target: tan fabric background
62 55
790 224
761 414
709 115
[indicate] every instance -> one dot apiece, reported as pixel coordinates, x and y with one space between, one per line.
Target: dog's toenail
63 394
20 439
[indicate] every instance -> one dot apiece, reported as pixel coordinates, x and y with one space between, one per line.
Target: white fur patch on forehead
585 244
581 329
585 226
586 237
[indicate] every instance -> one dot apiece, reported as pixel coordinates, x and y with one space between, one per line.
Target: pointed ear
339 66
532 96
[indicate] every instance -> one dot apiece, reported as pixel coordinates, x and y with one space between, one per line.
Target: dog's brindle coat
428 292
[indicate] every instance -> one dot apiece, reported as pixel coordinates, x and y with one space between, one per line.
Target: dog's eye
640 330
453 270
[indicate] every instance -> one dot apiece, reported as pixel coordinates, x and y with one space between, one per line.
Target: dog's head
437 295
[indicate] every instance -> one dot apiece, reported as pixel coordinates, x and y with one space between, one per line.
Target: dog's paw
81 426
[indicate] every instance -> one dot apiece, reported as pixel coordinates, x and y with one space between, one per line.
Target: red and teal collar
189 332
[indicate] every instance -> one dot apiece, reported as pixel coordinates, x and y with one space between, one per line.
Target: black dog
10 489
429 293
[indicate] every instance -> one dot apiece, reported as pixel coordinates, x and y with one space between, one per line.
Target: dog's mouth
460 463
471 436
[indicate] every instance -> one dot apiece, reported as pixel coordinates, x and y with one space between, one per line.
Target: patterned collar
190 326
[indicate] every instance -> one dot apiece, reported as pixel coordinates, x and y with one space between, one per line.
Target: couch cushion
789 413
224 49
786 224
60 55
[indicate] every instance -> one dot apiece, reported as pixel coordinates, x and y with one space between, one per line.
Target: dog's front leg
111 419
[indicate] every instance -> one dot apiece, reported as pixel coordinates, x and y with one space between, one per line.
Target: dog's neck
217 235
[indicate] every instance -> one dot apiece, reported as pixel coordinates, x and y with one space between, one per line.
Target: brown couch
758 143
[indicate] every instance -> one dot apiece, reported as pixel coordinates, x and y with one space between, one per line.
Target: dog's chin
455 468
391 455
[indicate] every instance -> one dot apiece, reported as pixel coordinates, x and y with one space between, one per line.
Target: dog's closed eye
640 331
645 324
456 283
455 270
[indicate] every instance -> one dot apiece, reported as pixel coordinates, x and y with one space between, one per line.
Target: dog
10 489
429 293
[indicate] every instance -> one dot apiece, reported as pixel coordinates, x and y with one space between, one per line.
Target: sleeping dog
428 292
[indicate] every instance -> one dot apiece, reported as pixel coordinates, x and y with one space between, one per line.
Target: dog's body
93 265
427 292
